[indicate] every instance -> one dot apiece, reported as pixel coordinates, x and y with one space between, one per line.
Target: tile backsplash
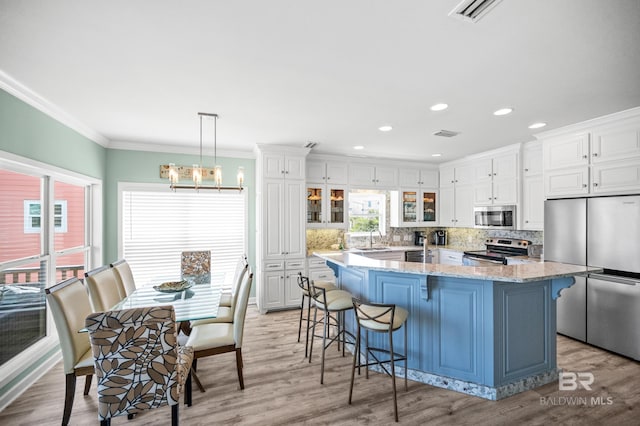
467 238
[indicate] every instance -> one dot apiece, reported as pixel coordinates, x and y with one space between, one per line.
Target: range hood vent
445 133
310 144
473 10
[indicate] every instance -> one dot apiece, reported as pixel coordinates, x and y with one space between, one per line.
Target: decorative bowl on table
173 286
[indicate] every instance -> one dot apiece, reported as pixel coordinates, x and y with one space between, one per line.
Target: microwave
494 217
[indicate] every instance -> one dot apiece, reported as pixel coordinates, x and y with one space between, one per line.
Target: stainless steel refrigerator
602 309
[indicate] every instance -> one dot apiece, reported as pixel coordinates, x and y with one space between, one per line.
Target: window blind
158 225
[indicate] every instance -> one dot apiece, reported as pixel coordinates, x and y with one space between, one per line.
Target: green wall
27 132
139 166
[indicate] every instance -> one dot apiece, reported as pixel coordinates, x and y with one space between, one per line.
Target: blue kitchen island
483 331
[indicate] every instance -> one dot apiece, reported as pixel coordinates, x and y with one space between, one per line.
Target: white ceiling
293 71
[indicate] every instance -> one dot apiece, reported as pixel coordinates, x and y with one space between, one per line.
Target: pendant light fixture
198 171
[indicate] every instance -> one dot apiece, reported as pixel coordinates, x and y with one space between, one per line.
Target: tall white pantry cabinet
281 237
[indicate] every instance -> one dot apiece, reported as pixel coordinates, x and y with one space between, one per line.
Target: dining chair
225 313
124 275
379 318
138 362
196 265
105 290
69 304
226 299
217 338
305 287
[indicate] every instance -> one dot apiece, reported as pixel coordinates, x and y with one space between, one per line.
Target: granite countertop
521 273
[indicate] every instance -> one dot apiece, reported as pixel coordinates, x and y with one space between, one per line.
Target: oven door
501 217
470 260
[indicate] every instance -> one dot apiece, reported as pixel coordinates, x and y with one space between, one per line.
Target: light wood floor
282 388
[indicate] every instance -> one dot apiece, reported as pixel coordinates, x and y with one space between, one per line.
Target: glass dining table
199 301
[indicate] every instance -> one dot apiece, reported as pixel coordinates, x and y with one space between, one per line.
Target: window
33 219
367 212
157 225
30 260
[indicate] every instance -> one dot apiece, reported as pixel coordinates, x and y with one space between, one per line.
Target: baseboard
18 388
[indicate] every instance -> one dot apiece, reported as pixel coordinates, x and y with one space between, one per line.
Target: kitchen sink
370 248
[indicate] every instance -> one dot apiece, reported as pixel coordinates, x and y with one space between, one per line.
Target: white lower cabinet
450 257
318 270
280 284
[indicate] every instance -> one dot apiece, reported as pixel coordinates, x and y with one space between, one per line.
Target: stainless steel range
496 253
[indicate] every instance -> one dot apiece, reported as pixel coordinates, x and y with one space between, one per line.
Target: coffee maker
418 238
440 238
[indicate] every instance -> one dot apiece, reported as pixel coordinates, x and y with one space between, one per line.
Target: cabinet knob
282 171
585 156
526 170
584 185
489 174
453 181
595 184
489 198
526 221
495 174
287 172
328 177
595 154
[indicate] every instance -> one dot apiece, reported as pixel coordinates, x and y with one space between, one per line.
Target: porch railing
31 275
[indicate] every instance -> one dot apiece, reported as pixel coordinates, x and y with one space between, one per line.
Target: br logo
569 381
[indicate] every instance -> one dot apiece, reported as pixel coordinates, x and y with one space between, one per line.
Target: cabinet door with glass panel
326 206
414 207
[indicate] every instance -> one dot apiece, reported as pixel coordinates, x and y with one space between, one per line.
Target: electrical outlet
396 238
470 238
407 237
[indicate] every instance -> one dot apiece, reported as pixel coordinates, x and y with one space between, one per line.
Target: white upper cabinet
327 171
408 177
602 158
496 179
283 166
373 176
532 159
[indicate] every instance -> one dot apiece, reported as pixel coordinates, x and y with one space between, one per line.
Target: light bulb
173 174
197 175
217 175
240 177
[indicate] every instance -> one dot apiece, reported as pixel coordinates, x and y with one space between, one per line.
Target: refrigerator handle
615 279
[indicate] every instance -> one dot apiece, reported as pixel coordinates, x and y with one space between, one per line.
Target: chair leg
188 391
366 353
87 383
406 359
239 366
313 332
70 390
306 347
106 422
356 357
393 376
324 344
300 322
174 415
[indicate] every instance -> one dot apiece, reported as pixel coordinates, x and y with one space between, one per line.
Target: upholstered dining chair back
237 286
105 290
138 362
197 265
240 312
123 274
69 304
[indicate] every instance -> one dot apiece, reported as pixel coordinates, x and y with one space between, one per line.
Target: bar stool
305 286
380 318
333 304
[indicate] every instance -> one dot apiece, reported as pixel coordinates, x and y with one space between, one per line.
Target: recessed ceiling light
503 111
537 125
385 128
436 155
439 107
358 147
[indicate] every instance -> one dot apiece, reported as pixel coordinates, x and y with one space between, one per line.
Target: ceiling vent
473 10
445 133
310 144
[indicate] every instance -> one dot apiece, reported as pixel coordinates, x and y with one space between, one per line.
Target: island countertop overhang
519 273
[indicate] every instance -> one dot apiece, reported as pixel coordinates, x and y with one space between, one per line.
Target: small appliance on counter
418 238
440 238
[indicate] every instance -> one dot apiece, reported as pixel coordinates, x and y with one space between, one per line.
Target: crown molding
584 126
28 96
177 149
